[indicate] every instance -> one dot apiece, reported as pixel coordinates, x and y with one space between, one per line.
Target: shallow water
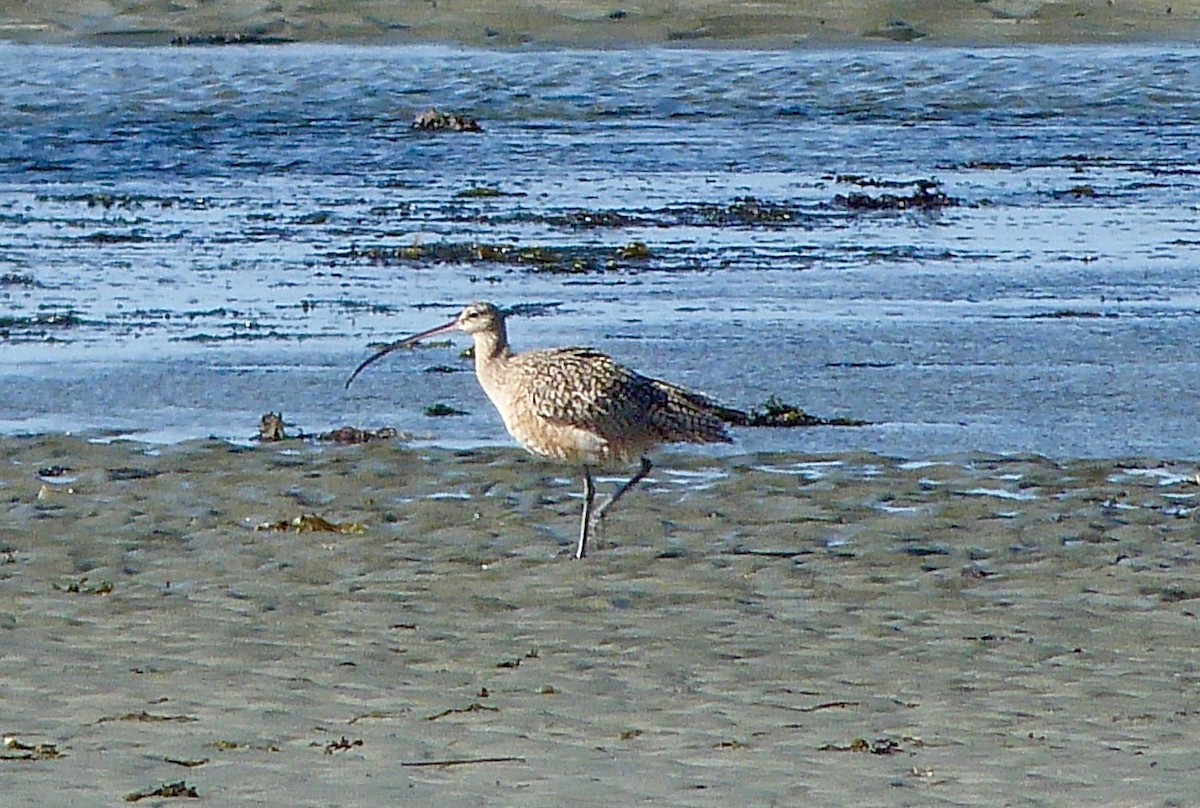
192 237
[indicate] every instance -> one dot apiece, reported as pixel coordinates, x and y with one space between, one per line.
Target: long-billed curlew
579 406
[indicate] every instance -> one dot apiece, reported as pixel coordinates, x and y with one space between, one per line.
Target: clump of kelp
1077 192
41 327
485 192
15 749
744 211
775 412
109 201
564 260
14 279
311 523
747 213
272 428
926 195
432 120
229 38
178 789
440 410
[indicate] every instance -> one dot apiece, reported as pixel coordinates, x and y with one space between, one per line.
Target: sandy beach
588 23
759 629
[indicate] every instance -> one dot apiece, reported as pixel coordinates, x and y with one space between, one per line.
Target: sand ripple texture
758 629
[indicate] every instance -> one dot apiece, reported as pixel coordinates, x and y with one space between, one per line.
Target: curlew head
476 318
479 317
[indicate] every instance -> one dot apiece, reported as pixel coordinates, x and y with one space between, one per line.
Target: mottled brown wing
687 399
584 388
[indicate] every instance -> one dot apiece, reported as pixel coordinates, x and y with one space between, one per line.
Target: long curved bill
404 343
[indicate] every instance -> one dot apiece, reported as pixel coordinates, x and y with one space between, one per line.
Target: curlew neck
491 358
491 347
492 343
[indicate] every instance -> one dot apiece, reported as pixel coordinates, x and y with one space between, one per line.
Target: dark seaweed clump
778 413
109 201
564 260
440 410
431 120
584 219
39 325
188 40
13 279
747 211
1077 192
926 196
273 428
485 192
179 789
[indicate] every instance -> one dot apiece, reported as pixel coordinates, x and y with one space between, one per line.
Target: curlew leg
634 480
585 526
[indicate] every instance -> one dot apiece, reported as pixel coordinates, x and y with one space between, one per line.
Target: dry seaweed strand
145 717
312 523
473 707
81 587
29 751
341 745
179 789
464 761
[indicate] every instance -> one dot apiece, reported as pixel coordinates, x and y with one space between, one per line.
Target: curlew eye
475 312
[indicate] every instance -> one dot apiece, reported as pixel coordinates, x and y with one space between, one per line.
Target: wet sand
588 23
755 629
